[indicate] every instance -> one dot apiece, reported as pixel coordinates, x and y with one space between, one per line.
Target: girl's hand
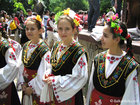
47 80
28 91
24 86
45 76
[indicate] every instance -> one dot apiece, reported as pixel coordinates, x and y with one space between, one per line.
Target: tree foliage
52 5
104 6
76 5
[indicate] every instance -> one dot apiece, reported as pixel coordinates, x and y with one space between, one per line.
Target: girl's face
32 31
65 30
107 38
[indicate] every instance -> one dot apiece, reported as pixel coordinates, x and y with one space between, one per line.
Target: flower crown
115 25
35 18
70 13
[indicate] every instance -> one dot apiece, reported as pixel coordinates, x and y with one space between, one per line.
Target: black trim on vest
4 46
34 62
68 60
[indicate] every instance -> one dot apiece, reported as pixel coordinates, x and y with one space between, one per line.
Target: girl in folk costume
113 79
36 59
69 72
9 68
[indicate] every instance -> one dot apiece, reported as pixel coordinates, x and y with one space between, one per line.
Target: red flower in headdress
118 31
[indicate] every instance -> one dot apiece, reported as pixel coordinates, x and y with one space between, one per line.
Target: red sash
29 74
98 98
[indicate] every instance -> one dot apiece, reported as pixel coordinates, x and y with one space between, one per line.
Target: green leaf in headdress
58 15
122 38
118 27
113 25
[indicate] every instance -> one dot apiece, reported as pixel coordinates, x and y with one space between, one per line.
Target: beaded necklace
26 59
55 59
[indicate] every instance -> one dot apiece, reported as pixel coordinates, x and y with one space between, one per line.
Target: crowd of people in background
48 22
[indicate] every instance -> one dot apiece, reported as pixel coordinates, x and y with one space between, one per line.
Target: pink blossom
108 20
113 18
117 15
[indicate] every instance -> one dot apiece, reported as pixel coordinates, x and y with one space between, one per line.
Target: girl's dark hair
52 14
17 14
38 23
67 18
124 34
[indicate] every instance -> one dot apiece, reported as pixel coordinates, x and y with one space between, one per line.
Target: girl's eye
105 35
67 29
32 29
60 28
27 29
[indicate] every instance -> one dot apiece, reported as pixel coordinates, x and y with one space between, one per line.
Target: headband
70 13
34 18
115 25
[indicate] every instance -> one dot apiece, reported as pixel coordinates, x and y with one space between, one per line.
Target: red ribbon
127 37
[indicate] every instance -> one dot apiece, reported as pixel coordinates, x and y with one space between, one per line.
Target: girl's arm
37 83
10 70
131 95
64 87
90 85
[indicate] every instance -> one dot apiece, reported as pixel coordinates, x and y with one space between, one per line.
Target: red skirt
28 76
70 101
98 98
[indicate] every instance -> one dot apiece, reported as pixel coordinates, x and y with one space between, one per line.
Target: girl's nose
63 31
101 38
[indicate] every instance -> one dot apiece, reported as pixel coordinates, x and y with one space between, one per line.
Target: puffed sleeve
37 83
64 87
10 70
131 95
90 85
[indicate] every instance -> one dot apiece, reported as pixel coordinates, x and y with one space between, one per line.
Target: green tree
104 6
76 5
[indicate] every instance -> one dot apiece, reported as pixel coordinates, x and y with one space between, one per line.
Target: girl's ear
117 39
74 31
41 30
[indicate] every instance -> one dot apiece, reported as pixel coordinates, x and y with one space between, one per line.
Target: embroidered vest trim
58 63
38 52
122 69
4 45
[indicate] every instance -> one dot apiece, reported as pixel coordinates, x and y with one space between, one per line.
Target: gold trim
109 76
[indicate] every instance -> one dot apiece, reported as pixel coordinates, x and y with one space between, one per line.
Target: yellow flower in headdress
66 12
70 13
77 23
38 18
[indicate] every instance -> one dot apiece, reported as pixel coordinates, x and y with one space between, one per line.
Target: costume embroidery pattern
115 76
12 56
47 58
112 59
81 63
38 52
4 95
